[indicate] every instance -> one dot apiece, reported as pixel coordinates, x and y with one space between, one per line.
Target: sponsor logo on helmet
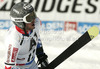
18 20
16 11
27 6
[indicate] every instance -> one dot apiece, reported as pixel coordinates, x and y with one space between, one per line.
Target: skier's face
30 26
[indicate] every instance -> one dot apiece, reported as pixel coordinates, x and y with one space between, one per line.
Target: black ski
84 39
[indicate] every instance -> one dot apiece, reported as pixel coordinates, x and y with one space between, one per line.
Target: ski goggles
27 18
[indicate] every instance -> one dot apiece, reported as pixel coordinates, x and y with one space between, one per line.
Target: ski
84 39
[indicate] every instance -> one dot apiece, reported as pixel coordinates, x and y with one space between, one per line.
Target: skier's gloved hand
44 63
42 60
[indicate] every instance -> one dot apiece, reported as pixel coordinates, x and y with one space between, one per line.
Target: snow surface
55 42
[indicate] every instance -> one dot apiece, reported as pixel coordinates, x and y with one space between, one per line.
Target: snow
55 42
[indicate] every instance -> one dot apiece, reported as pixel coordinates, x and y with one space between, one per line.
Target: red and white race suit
21 49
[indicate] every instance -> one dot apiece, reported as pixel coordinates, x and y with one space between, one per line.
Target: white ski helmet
22 13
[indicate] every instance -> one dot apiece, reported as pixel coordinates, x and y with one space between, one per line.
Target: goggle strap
20 19
17 19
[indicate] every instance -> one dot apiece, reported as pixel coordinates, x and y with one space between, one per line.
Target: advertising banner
84 26
5 24
53 25
58 10
70 26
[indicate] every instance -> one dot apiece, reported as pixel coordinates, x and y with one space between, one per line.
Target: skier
23 40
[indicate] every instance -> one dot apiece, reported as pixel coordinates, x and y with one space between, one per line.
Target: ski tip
93 32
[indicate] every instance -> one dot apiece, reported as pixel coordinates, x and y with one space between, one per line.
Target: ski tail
84 39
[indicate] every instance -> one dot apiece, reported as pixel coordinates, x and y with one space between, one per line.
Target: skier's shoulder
13 34
12 31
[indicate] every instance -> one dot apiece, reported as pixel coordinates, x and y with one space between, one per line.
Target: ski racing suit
21 49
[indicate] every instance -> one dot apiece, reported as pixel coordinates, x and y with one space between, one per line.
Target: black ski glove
42 60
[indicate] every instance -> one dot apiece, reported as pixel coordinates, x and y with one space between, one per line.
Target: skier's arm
12 53
12 49
42 57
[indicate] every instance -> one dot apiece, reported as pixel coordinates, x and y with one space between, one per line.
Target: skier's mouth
33 24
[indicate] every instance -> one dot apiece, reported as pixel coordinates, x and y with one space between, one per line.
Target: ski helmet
22 13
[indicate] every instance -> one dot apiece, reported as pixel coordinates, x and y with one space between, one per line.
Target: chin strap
25 30
25 34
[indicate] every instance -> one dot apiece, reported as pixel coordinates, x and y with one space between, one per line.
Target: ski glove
42 60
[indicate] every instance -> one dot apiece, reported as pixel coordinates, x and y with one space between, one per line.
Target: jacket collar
22 31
